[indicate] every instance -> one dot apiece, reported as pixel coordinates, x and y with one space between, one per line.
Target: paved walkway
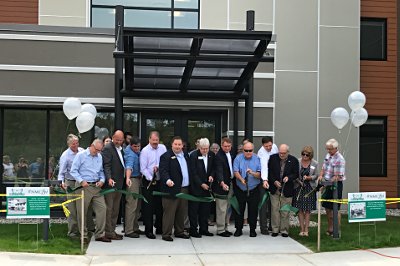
262 250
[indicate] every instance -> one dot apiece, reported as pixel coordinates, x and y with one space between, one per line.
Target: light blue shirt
86 167
184 169
65 164
132 161
241 164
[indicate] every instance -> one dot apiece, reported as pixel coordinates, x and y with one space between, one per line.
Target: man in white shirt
268 148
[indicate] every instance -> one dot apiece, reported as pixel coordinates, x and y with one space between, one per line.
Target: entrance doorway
189 125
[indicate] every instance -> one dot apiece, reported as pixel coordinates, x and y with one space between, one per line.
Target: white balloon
72 107
339 117
102 133
356 100
359 117
88 107
84 122
96 131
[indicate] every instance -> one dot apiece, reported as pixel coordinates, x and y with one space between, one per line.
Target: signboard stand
359 231
37 236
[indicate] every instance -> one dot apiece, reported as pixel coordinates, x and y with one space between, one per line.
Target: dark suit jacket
171 169
199 174
291 171
113 168
223 172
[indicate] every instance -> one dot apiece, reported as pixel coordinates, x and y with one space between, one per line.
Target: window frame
385 40
382 135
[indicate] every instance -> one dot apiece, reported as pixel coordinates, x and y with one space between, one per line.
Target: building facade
65 49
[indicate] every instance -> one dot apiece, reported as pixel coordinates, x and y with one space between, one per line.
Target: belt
139 176
70 179
92 183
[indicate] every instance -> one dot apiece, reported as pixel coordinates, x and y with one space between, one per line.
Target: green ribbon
263 200
184 196
289 208
133 194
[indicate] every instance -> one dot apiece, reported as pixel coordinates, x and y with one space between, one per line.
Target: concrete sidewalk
261 250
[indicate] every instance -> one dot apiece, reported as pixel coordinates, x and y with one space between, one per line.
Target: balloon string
347 139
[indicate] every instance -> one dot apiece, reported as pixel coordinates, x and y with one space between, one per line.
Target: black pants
154 206
252 207
198 215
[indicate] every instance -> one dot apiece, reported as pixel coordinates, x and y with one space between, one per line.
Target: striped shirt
334 166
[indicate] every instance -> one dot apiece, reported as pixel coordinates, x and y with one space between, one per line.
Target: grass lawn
387 235
58 242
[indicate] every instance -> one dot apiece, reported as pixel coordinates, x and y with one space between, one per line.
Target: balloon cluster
100 132
358 116
85 114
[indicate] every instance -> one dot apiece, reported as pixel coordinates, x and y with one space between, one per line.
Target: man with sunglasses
247 171
283 169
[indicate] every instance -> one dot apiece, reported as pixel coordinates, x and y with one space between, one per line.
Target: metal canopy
189 64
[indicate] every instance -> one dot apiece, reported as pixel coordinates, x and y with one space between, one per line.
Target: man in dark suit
283 169
222 185
174 173
203 173
114 170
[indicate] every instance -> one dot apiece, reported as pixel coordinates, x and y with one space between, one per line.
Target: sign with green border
367 207
28 202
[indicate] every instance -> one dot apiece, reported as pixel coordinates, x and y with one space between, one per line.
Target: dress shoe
238 232
195 234
253 233
274 234
140 232
167 238
228 232
132 235
158 232
103 239
206 233
115 237
119 235
183 236
264 232
225 234
284 235
150 236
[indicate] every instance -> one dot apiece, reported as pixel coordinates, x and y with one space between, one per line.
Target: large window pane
147 18
373 39
59 128
185 20
200 129
104 124
131 123
136 3
25 142
186 4
373 141
165 126
103 17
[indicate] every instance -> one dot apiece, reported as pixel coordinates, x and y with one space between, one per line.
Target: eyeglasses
305 154
247 150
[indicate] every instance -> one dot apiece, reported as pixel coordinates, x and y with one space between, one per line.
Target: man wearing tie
114 170
174 173
203 173
222 185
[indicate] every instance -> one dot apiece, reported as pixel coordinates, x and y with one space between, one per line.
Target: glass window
24 147
185 20
165 126
104 124
103 17
373 141
137 3
131 123
373 39
147 18
186 4
199 128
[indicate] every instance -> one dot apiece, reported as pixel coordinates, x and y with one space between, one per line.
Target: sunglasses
305 154
247 150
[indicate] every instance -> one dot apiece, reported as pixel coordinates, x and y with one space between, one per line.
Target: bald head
283 151
118 138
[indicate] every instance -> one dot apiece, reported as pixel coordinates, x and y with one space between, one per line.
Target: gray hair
332 142
71 138
204 142
96 141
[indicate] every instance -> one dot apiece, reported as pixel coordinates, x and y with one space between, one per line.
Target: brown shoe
103 239
115 237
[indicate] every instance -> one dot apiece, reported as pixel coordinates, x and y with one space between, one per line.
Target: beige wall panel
263 10
339 67
262 119
257 27
340 12
73 8
214 14
297 34
62 21
296 109
265 68
263 90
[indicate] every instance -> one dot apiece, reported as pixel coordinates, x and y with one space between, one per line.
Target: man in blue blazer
174 174
283 169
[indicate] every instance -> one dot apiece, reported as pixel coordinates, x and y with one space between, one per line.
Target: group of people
23 172
171 185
